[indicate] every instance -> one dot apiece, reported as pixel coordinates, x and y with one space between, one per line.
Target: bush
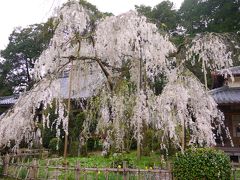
147 142
117 160
73 148
202 163
55 145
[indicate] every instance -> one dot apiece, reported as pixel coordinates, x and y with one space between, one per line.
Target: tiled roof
8 100
234 70
226 95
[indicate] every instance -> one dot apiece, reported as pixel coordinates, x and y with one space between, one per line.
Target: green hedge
202 163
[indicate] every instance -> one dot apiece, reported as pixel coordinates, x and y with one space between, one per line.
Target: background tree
96 13
163 15
5 87
25 46
211 15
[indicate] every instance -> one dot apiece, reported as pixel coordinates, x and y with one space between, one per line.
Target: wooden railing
27 167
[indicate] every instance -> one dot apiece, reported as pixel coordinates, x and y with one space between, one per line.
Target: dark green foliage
117 160
83 151
5 89
159 83
75 151
212 15
202 163
144 10
93 144
75 133
163 15
76 125
196 69
25 46
148 140
49 134
55 145
96 13
23 173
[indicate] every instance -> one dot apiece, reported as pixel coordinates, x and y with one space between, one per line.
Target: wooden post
17 166
46 170
205 74
97 171
183 136
138 149
6 160
124 169
69 108
33 170
19 170
139 175
85 174
77 170
28 170
138 128
65 172
106 174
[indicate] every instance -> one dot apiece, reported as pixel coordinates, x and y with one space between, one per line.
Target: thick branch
100 63
180 48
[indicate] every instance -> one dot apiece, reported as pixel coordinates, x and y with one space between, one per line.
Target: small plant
117 160
23 173
55 145
202 163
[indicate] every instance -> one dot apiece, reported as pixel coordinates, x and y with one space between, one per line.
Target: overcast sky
14 13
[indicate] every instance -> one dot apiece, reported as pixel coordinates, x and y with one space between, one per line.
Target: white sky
14 13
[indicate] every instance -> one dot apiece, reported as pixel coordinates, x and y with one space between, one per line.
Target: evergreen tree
163 15
25 46
210 15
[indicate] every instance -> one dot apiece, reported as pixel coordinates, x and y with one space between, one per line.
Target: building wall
232 121
235 83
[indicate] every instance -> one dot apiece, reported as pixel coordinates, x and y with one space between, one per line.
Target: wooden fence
29 167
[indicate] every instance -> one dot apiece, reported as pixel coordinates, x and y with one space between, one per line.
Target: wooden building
226 93
6 102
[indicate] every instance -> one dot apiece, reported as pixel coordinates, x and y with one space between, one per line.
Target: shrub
55 145
117 160
202 163
147 142
23 173
73 148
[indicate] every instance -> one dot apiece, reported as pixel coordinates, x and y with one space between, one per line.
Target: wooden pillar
69 109
33 170
124 168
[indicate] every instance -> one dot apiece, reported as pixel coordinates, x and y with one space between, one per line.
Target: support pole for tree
138 147
69 108
183 136
205 74
138 128
5 160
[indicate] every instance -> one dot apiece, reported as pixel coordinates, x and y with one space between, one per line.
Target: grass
94 160
98 161
235 174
